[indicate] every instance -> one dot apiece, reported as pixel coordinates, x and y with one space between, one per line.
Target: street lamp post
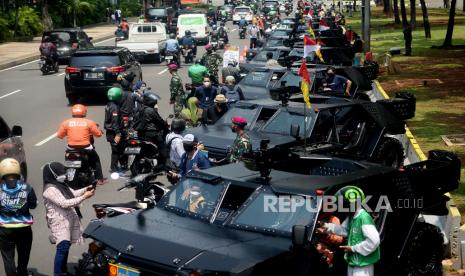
366 15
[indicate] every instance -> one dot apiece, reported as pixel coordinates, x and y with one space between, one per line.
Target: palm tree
450 25
387 9
426 25
77 8
396 12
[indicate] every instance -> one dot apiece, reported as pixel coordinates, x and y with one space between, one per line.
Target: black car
162 14
91 72
68 41
228 227
360 129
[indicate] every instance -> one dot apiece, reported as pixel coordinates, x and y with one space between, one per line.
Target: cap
238 120
172 66
189 138
220 98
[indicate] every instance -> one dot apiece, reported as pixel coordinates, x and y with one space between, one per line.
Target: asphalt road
38 104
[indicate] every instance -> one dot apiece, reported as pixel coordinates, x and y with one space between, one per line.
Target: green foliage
4 29
29 24
130 8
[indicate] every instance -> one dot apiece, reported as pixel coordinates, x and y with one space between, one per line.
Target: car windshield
279 33
194 197
197 20
94 61
156 12
262 56
60 37
257 79
291 79
242 9
261 214
280 124
247 112
275 42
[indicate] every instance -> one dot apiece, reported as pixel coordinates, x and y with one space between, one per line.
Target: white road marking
111 38
61 74
11 93
233 30
163 71
46 140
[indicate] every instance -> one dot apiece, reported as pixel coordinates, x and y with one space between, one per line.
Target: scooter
221 43
78 170
47 65
188 54
172 58
242 32
142 155
148 193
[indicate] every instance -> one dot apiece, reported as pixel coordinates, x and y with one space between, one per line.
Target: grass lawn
441 103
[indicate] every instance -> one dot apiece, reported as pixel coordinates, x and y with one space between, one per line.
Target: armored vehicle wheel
389 152
425 251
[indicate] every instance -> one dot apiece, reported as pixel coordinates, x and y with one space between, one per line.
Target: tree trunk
396 13
16 18
74 17
413 14
387 9
446 4
426 25
355 5
46 18
450 25
403 12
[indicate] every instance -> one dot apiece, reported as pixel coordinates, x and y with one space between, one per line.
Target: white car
197 24
241 11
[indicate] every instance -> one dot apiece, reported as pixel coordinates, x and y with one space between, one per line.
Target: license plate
73 164
169 57
120 270
93 76
70 173
132 150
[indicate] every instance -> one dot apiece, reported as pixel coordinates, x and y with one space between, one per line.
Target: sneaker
102 181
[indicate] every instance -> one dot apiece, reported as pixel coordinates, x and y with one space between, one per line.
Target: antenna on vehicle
260 160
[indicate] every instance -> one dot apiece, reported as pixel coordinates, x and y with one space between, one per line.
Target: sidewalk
15 53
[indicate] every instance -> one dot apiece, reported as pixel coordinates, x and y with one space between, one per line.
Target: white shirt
176 149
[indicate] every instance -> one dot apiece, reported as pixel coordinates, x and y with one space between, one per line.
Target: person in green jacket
197 72
362 249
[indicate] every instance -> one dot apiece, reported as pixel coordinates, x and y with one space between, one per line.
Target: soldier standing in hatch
178 96
212 60
242 142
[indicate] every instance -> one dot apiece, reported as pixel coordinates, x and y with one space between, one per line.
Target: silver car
11 145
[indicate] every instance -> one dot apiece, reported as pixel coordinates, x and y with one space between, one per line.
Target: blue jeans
61 258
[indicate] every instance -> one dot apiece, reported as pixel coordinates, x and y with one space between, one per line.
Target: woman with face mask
192 159
63 213
16 198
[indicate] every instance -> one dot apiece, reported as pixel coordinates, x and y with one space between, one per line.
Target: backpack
46 50
231 95
221 32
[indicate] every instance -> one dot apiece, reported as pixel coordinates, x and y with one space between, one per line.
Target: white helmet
9 166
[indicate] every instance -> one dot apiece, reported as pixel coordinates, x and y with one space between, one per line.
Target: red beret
239 120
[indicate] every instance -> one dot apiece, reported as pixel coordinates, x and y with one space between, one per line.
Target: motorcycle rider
113 126
230 70
119 32
80 132
188 42
223 33
178 95
172 47
242 26
48 49
15 218
211 60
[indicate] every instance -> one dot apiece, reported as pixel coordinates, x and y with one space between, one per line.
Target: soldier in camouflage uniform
178 96
242 142
212 60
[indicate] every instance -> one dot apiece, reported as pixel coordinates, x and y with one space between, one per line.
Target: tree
403 12
77 8
46 18
426 25
396 12
387 9
450 25
413 14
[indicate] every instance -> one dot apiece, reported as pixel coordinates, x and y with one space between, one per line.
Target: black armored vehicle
215 222
337 126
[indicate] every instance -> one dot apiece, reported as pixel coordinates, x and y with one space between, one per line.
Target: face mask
233 129
11 182
206 84
194 194
330 74
188 147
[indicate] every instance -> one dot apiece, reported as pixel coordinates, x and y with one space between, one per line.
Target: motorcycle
221 43
148 193
47 65
172 58
188 54
242 32
78 170
142 155
214 44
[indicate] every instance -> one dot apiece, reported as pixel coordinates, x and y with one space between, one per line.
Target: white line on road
112 38
46 140
233 30
11 93
61 74
163 71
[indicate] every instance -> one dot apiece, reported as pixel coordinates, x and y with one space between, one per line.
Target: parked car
146 40
196 23
218 221
160 14
68 41
91 72
242 11
11 145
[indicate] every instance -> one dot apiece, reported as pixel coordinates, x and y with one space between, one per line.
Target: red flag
323 26
305 83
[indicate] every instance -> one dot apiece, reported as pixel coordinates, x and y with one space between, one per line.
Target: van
197 24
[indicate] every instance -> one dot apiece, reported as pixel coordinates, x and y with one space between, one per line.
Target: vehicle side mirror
17 131
299 235
295 131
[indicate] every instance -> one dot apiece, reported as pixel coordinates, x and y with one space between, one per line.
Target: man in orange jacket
80 132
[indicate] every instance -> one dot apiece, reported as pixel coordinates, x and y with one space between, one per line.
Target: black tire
72 99
425 251
389 152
